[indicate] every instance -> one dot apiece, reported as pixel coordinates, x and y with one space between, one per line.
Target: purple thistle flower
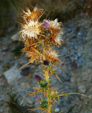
37 98
46 62
38 78
46 24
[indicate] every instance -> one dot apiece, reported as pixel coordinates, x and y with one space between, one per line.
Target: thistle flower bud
43 83
43 104
38 78
47 33
53 92
46 62
37 98
46 25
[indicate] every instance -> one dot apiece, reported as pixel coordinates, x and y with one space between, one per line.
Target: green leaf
70 108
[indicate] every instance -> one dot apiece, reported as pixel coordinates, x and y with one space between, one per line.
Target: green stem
48 92
47 79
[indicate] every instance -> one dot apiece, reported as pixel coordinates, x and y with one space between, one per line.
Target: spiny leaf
56 101
36 43
36 109
40 90
13 104
38 52
57 76
65 94
24 65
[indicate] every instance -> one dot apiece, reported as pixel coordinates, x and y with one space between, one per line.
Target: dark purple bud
75 64
46 62
38 78
37 98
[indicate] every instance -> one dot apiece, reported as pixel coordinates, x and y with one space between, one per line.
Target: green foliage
45 55
17 51
13 104
43 83
61 9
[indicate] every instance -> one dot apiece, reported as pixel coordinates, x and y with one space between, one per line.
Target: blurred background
11 11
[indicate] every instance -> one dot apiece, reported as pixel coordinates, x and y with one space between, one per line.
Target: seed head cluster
39 39
37 35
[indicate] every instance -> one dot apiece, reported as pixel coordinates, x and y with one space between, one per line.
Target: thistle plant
39 39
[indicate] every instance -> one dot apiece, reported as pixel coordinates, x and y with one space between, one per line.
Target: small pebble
79 33
30 103
57 110
79 54
76 57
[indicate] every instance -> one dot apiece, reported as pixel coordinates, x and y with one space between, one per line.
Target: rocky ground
75 71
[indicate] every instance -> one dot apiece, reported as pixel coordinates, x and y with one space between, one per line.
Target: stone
79 54
31 103
76 57
24 85
12 75
16 37
25 71
81 88
79 33
57 110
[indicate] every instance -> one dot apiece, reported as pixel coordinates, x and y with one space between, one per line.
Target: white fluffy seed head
31 29
58 39
54 23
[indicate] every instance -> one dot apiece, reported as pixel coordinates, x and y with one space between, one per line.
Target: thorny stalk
39 38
